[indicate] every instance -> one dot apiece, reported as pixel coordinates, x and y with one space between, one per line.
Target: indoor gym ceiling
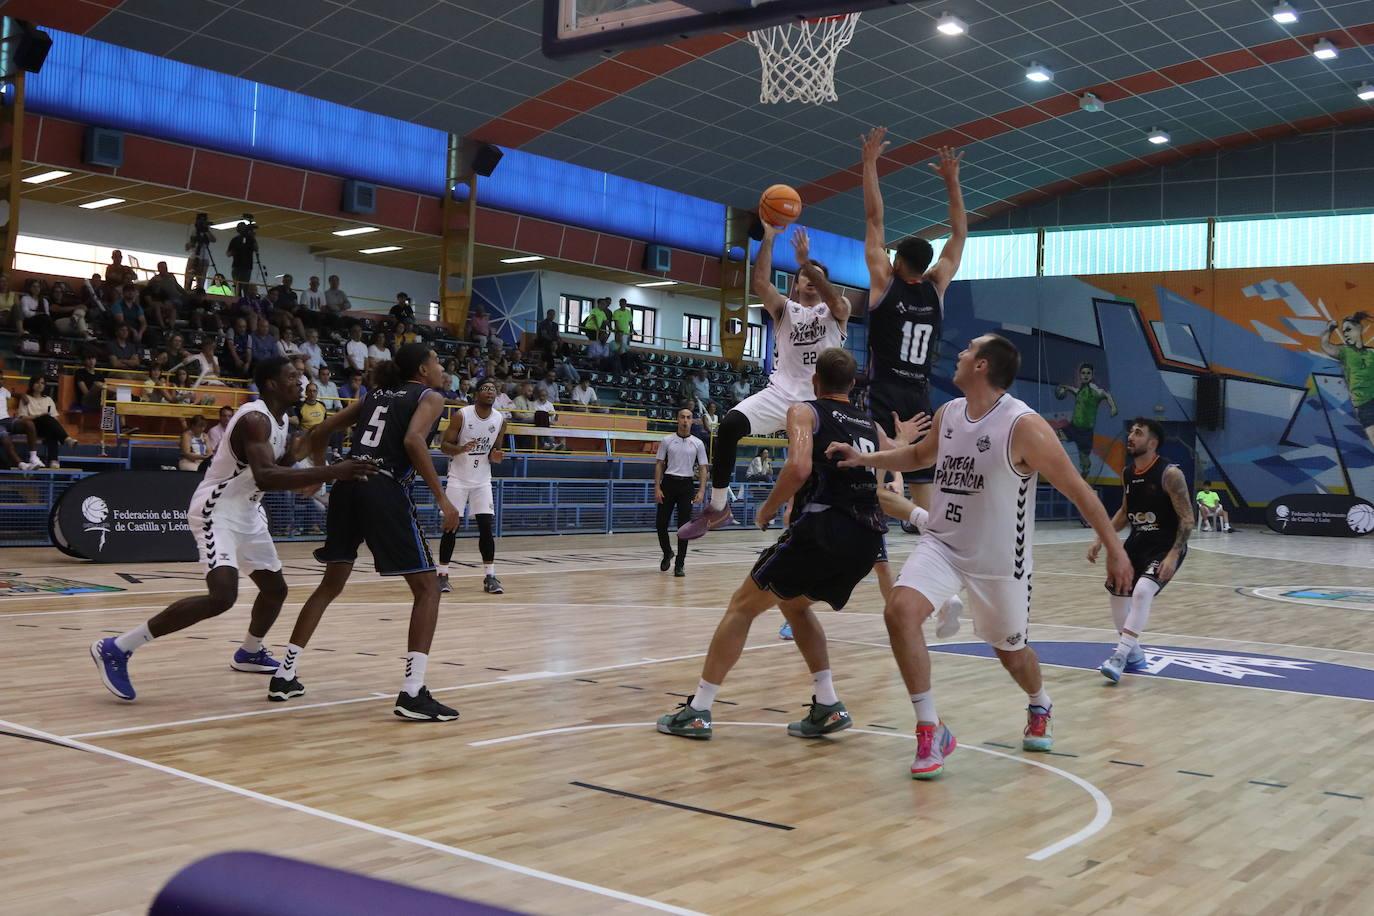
688 118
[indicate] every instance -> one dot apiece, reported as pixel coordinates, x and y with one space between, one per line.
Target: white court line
493 603
374 696
1102 804
454 851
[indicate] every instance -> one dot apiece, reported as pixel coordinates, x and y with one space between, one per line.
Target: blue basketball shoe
114 667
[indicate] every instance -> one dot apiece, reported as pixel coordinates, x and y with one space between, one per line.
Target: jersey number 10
915 342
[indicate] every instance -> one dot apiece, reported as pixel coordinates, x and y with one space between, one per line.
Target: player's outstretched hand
801 243
1120 573
762 519
770 232
466 446
658 496
450 513
913 429
1093 551
948 164
843 454
351 469
874 143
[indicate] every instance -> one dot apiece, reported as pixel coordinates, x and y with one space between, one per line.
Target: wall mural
1100 350
512 301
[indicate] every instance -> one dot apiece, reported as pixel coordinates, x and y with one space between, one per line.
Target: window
571 311
1125 249
696 332
79 259
753 341
1293 241
991 257
434 310
644 322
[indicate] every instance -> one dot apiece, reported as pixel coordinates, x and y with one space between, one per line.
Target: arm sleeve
701 451
662 450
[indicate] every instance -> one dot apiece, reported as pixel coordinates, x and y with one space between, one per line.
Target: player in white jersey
987 448
473 444
806 325
230 527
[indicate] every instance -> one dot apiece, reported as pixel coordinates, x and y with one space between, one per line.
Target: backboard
574 27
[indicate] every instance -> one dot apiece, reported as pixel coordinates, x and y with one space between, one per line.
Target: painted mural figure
1357 362
1087 400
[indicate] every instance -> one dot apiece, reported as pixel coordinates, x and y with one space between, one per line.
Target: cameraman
198 264
242 247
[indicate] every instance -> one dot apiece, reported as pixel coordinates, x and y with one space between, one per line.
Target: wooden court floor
1237 778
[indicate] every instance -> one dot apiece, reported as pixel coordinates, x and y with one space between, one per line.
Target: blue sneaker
114 667
259 662
1111 669
1136 661
785 632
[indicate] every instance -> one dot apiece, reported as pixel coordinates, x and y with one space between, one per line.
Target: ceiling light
1158 137
1284 13
1038 74
1090 102
46 176
1324 50
951 24
103 202
522 260
230 224
383 250
1365 92
360 230
659 283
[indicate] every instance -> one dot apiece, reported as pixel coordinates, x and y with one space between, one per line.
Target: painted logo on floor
1343 596
1268 672
16 586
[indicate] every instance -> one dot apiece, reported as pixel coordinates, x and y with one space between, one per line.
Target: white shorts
766 411
1000 607
475 497
242 543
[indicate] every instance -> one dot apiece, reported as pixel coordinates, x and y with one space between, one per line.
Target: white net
798 59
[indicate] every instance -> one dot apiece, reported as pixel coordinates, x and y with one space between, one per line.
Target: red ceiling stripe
75 16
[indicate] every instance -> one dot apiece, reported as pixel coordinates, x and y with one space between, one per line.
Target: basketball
780 205
1360 518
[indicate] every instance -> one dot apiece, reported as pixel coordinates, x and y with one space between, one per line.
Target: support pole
11 163
457 241
734 288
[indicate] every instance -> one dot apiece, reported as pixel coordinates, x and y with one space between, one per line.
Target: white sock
1041 699
443 573
33 456
823 684
490 568
252 643
705 696
415 672
1127 645
918 518
719 497
138 636
287 670
1121 606
924 704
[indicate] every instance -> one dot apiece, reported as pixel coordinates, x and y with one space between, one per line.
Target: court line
455 851
491 603
1101 816
374 696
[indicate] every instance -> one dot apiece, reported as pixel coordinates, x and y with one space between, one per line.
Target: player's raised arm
838 305
761 283
252 439
953 252
417 449
1035 446
875 243
801 426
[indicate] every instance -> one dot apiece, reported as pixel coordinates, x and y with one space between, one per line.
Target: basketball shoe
259 662
1136 661
708 520
492 586
423 707
687 722
1039 733
821 720
933 744
280 689
1113 667
114 667
444 586
785 632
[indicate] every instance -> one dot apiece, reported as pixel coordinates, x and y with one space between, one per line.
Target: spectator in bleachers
557 393
286 342
379 350
547 336
479 326
264 345
403 310
33 314
449 388
220 287
38 406
355 351
204 313
585 395
311 412
118 273
70 320
314 356
238 349
8 297
711 418
545 415
565 371
701 388
156 387
252 306
286 296
329 391
353 389
90 387
504 402
622 319
406 333
240 250
518 369
195 444
312 298
761 467
15 425
176 351
179 387
128 311
599 353
522 409
161 314
216 433
125 353
283 317
163 286
335 299
739 389
204 365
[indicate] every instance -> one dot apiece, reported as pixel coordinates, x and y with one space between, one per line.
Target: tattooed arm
1177 488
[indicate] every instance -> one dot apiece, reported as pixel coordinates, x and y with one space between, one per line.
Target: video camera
201 236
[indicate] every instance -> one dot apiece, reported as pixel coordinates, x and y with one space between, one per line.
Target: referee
678 455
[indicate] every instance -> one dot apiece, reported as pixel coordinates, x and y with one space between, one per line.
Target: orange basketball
780 205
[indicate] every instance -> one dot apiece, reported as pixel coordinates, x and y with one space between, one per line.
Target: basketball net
798 58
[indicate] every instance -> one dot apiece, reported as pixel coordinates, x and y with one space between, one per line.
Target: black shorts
1145 561
377 511
906 399
822 557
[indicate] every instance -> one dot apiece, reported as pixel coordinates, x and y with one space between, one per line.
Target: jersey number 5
372 436
915 342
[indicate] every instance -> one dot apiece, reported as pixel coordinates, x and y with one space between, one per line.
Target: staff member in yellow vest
681 456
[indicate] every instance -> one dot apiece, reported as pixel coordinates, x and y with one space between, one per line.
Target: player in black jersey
1155 504
905 316
820 557
394 424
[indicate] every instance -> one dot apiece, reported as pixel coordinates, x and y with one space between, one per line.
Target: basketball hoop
798 58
